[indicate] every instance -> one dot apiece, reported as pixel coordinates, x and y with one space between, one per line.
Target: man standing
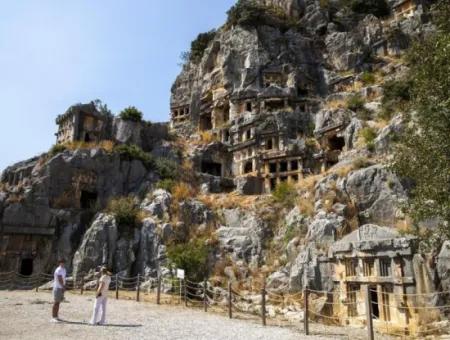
59 281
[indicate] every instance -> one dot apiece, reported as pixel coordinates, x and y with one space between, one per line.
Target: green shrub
167 168
199 45
251 13
397 95
285 193
355 103
192 257
166 184
368 134
368 78
132 151
131 113
124 210
56 149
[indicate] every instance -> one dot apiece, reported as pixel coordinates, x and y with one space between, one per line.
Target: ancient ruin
380 259
82 122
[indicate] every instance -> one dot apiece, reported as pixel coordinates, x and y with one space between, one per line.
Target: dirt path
26 315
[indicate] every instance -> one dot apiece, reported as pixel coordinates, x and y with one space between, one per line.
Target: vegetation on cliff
131 113
423 154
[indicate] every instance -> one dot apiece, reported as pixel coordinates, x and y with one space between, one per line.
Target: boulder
388 134
98 246
158 204
377 193
249 185
310 270
242 235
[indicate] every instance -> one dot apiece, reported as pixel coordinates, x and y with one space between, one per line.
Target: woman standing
101 298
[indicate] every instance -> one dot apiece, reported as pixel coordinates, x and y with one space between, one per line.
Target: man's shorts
58 294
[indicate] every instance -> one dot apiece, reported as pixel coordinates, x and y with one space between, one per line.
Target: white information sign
180 274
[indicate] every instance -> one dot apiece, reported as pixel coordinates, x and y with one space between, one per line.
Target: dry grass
355 87
206 137
306 206
229 201
404 226
328 200
335 104
343 171
182 191
106 145
308 183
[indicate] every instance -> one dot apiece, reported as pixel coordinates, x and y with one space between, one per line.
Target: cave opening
212 168
88 199
26 267
336 143
248 167
205 122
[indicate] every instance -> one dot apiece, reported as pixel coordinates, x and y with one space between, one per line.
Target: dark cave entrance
88 199
205 122
212 168
26 267
336 143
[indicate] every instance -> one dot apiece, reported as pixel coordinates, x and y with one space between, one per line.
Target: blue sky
56 53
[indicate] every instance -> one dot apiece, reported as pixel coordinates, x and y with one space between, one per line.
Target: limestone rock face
377 193
98 246
311 270
388 134
158 204
242 235
323 227
443 266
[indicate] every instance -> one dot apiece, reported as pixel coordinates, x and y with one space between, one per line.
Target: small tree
125 211
285 193
423 154
192 257
199 45
131 113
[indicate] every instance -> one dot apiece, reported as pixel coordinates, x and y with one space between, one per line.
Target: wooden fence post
82 285
185 294
158 291
263 303
370 334
138 287
306 316
205 296
117 286
230 301
37 283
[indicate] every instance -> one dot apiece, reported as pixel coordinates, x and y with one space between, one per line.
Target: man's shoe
55 320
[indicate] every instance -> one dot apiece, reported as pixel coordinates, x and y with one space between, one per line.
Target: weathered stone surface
242 235
388 134
377 193
323 227
158 204
443 266
249 185
193 212
148 252
127 131
308 270
98 246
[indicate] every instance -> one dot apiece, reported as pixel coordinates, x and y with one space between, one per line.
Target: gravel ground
26 315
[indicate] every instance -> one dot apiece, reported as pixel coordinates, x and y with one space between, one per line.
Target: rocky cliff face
310 79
